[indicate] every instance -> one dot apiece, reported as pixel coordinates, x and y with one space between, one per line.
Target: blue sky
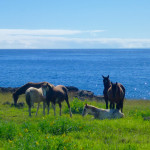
74 24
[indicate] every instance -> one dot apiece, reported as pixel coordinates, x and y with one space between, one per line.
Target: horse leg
43 108
53 105
37 108
111 105
60 108
68 106
106 100
121 106
30 111
118 106
48 108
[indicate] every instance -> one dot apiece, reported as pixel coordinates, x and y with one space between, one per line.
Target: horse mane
23 88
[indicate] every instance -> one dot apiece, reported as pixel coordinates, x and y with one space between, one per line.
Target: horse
101 114
23 89
35 95
116 94
107 85
56 94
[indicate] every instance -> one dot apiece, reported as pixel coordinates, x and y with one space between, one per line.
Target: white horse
34 95
100 113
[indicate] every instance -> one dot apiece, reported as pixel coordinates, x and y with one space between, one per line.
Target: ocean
82 68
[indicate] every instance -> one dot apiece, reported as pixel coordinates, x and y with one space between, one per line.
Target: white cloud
44 32
22 38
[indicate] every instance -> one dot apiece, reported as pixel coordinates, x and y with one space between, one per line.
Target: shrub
76 106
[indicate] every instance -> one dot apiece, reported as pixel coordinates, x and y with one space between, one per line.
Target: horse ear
102 76
116 83
108 76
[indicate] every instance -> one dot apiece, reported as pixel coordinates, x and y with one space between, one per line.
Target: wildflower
46 137
64 135
26 130
9 141
37 143
51 123
20 134
65 148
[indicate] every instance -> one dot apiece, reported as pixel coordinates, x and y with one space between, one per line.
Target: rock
72 91
85 93
8 89
72 88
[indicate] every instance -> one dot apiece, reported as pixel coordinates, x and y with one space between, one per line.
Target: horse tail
123 90
28 99
66 91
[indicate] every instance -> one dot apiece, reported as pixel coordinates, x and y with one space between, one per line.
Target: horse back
61 91
119 93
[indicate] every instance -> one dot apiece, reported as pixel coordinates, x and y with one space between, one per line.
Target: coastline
72 92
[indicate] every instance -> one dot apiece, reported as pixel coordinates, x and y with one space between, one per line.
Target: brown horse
56 95
23 89
107 85
116 94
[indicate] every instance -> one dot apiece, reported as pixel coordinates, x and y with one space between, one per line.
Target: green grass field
18 131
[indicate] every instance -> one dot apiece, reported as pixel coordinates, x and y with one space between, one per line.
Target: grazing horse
23 89
56 94
116 94
34 95
101 114
107 85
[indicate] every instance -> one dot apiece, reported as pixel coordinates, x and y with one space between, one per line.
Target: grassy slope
19 131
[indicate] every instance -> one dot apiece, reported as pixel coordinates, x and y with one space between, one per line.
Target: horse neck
106 87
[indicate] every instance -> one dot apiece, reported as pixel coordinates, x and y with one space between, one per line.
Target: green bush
76 106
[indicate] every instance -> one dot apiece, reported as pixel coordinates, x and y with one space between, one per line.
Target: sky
71 24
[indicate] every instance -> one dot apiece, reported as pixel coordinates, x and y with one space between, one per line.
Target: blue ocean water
81 68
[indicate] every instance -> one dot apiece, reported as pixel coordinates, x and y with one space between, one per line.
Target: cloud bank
51 39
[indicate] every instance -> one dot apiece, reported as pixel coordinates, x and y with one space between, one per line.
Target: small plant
76 106
8 130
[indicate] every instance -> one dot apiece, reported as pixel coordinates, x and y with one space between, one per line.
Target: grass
18 131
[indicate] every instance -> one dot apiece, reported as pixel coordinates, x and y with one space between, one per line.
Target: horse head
114 88
46 89
106 81
84 112
15 97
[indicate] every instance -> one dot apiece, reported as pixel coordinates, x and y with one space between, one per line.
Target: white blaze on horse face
44 92
85 111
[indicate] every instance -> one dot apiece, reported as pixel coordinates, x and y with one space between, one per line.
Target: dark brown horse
116 94
107 85
23 89
56 95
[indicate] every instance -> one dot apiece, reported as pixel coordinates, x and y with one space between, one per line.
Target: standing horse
116 94
100 113
56 95
34 95
23 89
107 85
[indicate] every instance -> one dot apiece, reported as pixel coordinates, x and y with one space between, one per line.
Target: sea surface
82 68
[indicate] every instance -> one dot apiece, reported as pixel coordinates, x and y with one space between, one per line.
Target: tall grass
18 131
